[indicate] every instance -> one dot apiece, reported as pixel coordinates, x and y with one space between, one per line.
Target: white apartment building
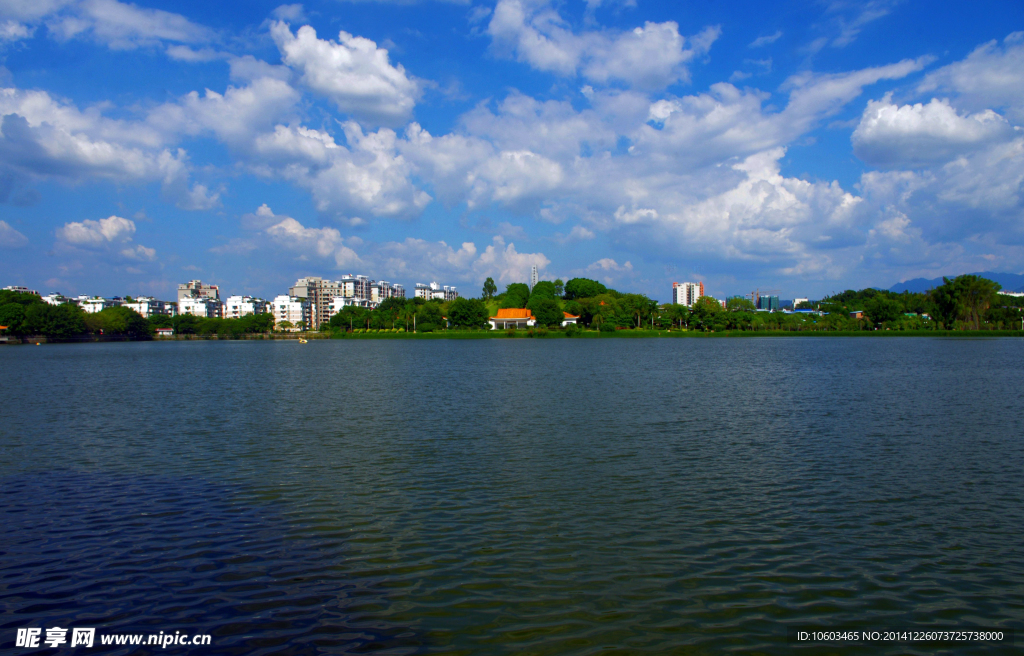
93 304
436 291
56 298
383 290
196 289
687 293
208 308
338 303
239 306
23 290
292 309
321 293
798 301
148 306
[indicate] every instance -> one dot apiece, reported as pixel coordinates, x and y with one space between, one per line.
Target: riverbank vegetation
965 303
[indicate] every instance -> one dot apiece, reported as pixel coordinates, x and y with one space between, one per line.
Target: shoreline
619 334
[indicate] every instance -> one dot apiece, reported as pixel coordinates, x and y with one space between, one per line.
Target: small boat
303 340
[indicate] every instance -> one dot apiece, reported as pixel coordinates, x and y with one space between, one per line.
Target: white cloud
917 135
649 57
42 138
123 26
111 236
97 233
234 117
990 77
578 233
505 264
353 73
293 13
367 179
768 39
11 238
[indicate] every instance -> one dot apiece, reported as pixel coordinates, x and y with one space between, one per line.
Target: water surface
512 496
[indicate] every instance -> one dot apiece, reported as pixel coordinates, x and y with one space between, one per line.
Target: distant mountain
1011 282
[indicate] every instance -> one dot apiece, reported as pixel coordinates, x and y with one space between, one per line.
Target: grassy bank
674 334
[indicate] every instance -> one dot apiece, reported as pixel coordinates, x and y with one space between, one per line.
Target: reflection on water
512 496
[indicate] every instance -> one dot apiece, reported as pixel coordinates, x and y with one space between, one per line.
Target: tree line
961 303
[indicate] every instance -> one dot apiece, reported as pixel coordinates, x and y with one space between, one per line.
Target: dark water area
512 496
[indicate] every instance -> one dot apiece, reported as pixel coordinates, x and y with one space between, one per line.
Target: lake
512 496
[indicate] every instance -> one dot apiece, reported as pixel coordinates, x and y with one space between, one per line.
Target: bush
426 328
607 327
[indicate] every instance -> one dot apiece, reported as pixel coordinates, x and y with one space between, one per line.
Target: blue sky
804 147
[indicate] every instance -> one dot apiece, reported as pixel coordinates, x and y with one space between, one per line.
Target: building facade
382 290
23 290
93 304
769 303
239 306
534 277
196 289
292 309
436 291
148 307
687 293
208 308
56 298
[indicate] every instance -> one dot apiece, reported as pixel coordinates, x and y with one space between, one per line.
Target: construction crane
755 296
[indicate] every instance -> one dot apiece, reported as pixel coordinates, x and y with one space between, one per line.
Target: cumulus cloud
355 74
11 238
97 233
369 178
649 57
43 138
409 258
110 235
990 77
918 135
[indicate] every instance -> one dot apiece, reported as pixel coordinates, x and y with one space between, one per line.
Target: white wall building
23 290
236 307
93 304
292 309
208 308
196 289
56 298
534 277
436 291
148 306
798 301
687 293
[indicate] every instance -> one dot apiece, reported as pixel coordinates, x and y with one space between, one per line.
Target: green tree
559 288
739 304
516 295
706 311
583 288
467 313
429 313
59 321
882 308
490 289
119 321
678 314
543 289
12 315
965 298
546 311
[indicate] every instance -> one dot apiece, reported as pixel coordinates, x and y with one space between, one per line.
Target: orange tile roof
514 313
570 316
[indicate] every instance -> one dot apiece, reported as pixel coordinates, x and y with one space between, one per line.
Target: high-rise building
534 278
383 290
687 293
770 303
291 309
196 289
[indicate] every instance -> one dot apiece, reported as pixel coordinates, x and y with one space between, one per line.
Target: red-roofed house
513 318
570 319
